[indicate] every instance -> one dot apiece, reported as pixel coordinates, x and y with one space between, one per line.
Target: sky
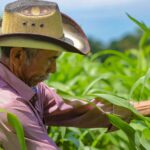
104 20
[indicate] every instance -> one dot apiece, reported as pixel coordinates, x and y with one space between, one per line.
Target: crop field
119 78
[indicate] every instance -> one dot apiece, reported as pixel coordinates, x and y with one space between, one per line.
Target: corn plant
122 77
16 124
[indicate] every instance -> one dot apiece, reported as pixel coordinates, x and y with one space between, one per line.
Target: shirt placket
32 104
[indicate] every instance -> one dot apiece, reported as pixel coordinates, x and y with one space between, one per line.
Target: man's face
34 70
40 66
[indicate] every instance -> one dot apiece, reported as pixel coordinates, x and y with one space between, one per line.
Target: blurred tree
129 41
95 45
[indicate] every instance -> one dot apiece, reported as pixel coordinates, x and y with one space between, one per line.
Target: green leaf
129 131
118 101
142 80
1 148
146 134
103 76
15 123
145 142
110 52
140 24
63 131
116 121
143 40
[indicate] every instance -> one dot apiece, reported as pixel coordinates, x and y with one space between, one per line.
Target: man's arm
78 113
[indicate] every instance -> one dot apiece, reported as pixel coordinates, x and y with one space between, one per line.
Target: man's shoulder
7 94
2 83
46 91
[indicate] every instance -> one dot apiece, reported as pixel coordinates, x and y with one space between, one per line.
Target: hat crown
35 17
22 4
40 24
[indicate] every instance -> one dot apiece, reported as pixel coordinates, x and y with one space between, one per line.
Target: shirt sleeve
78 113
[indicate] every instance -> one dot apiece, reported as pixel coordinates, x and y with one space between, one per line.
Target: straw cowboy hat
40 24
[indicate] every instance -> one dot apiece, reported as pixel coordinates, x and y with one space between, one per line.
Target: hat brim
74 39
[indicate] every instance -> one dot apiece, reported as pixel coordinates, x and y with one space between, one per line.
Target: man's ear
17 56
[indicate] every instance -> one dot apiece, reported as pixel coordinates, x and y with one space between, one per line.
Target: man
33 35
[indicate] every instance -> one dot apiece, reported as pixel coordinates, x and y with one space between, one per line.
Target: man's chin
41 79
34 83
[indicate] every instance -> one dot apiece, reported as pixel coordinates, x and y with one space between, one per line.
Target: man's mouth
42 78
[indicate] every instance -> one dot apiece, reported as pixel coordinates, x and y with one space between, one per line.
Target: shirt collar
23 89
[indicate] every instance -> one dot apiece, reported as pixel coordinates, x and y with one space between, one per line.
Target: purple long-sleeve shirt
49 110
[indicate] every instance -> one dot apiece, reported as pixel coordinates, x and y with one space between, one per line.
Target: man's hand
107 107
142 107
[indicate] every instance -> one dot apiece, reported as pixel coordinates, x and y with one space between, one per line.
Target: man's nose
52 68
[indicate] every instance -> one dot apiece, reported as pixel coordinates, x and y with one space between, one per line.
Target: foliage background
122 72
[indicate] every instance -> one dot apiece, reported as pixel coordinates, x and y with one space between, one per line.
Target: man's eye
55 57
52 58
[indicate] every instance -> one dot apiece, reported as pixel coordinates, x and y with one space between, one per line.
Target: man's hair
5 51
29 51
